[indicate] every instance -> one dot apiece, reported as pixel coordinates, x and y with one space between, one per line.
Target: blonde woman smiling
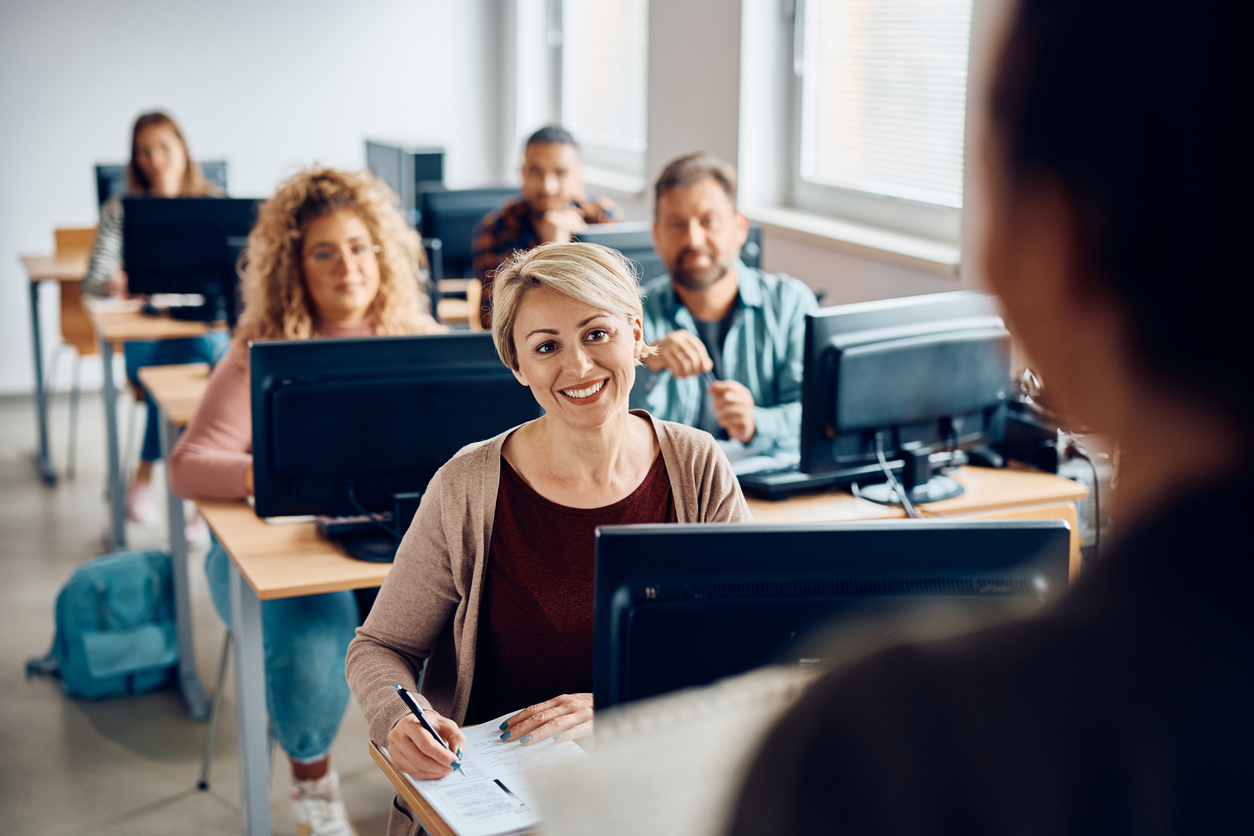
492 585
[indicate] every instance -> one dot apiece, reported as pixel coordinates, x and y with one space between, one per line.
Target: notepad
492 797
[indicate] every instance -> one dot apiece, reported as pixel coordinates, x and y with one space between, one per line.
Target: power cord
374 518
911 511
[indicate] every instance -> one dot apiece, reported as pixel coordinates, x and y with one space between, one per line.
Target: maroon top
535 627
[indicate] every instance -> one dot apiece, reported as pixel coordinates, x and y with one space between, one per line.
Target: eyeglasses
359 253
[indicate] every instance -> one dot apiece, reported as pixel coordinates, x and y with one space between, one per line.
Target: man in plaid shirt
551 206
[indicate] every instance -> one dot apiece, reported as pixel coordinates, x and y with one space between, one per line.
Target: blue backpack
115 631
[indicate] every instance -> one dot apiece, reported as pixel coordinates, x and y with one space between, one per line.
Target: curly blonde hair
277 304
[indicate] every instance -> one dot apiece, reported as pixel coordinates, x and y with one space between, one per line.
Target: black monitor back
634 239
186 245
345 424
409 170
451 216
918 373
684 605
111 178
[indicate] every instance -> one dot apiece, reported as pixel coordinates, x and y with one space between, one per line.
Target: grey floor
125 766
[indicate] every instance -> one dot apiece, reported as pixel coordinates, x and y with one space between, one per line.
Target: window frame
923 220
621 166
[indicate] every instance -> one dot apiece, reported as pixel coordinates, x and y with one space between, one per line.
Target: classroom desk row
280 561
115 325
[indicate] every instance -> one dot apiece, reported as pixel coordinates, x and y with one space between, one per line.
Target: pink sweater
215 452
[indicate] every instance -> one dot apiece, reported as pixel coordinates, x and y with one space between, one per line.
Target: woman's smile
586 394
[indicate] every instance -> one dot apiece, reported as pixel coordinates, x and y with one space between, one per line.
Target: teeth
584 393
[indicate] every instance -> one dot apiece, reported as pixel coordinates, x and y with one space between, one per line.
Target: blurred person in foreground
1117 175
551 207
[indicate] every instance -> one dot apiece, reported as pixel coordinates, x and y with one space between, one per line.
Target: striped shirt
106 255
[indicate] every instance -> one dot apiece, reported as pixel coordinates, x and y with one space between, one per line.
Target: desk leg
194 695
42 457
250 707
117 483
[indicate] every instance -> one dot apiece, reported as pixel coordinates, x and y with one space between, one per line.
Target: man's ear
742 229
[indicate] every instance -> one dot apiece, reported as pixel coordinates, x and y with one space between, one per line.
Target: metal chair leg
75 390
215 713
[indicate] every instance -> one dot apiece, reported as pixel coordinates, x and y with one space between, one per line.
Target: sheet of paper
743 462
490 796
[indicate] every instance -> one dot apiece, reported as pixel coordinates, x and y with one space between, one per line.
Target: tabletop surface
66 268
283 560
986 490
176 389
119 320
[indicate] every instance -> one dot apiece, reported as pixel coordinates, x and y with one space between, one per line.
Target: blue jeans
205 349
305 641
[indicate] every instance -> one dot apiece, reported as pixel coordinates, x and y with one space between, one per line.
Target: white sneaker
319 807
141 503
196 530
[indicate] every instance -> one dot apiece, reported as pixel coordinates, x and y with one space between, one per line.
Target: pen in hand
426 724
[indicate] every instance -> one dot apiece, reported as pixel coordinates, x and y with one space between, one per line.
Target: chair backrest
74 240
76 328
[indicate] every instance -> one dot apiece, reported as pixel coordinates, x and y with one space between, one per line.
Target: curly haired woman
329 256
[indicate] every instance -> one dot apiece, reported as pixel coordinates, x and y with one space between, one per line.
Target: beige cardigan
429 606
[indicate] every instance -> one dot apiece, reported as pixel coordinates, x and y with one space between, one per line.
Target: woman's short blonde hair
590 273
277 304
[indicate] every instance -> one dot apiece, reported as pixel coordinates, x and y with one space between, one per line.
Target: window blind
604 72
883 97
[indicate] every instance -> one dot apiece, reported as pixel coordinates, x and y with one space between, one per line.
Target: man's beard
698 279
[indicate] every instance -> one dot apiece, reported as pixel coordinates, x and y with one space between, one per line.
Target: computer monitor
634 239
350 426
451 216
111 178
409 170
898 384
187 245
685 605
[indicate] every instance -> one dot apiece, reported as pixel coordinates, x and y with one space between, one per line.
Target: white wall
270 86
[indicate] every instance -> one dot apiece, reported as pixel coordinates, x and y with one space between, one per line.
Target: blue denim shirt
763 350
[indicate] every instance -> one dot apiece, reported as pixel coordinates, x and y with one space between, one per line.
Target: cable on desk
374 518
911 511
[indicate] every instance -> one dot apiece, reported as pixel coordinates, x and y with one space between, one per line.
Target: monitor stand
918 481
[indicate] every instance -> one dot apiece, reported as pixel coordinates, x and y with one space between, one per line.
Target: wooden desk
69 271
118 323
268 562
177 391
1014 492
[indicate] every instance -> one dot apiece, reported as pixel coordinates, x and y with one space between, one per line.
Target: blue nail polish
504 725
506 735
557 737
454 765
459 754
526 738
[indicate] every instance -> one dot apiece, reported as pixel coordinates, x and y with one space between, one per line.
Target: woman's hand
416 752
566 717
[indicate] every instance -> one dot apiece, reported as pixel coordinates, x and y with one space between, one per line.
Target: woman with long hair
329 256
160 166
